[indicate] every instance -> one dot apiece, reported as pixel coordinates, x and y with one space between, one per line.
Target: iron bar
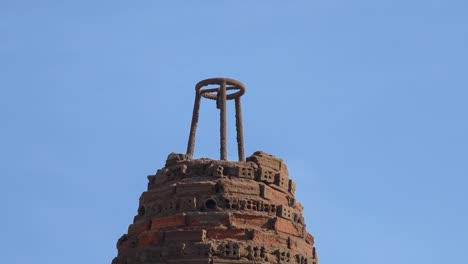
240 130
223 129
193 126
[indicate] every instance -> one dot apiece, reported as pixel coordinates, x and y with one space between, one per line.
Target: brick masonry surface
211 211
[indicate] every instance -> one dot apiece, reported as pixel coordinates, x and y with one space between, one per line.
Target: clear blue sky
366 101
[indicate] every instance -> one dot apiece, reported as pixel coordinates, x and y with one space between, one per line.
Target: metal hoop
212 93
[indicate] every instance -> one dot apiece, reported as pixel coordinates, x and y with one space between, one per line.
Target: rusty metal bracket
220 94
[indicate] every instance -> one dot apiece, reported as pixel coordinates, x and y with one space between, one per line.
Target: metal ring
212 93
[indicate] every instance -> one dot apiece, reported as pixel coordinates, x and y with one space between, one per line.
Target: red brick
232 261
189 261
298 206
162 175
195 188
300 246
268 239
273 195
240 187
123 246
286 212
288 227
266 160
284 170
246 172
266 175
187 203
186 235
309 239
137 228
208 219
282 180
280 189
157 194
150 238
239 234
292 187
168 221
250 221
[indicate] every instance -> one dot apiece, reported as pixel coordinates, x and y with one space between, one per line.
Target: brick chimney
207 211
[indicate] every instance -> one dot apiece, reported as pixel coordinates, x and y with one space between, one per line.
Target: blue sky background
366 101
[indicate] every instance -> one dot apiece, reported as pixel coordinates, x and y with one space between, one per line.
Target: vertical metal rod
193 127
222 100
240 130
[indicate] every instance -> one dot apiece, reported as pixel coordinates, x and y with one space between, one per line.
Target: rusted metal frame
221 97
240 130
208 93
193 127
223 130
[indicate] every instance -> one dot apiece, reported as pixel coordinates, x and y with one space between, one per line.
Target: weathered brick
150 238
256 252
229 261
187 204
157 194
193 188
189 261
186 235
282 180
208 219
300 246
286 212
300 259
233 233
167 206
284 169
273 195
268 239
169 174
298 206
218 171
266 160
240 220
151 181
240 187
284 256
288 227
230 249
139 227
198 168
292 187
309 239
266 175
246 172
174 158
122 246
161 207
280 189
168 221
269 208
298 218
159 178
